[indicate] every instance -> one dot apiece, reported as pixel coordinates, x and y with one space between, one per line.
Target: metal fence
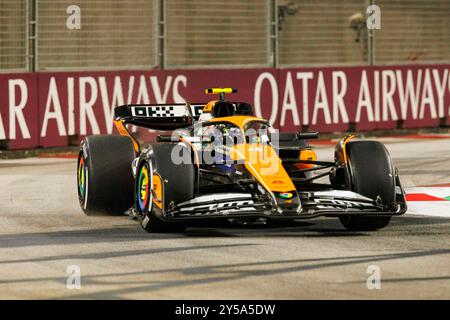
13 35
413 31
217 32
142 34
319 33
112 34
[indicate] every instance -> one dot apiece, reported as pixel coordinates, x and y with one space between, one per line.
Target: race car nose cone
287 202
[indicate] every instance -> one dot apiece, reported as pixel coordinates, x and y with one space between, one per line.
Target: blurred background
170 34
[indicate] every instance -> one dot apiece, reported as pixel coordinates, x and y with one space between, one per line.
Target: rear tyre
178 186
373 175
104 175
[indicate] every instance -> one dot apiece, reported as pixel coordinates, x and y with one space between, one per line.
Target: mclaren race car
222 162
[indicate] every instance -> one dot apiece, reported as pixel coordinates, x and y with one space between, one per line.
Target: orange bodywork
306 155
239 121
209 106
261 160
341 148
263 163
344 149
157 190
123 131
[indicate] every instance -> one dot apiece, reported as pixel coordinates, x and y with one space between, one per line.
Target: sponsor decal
286 195
230 206
346 203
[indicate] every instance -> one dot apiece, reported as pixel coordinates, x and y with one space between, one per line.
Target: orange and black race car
222 162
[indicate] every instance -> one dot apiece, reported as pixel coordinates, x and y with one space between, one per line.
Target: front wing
313 204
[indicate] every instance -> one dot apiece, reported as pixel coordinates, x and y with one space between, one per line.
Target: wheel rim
143 188
81 177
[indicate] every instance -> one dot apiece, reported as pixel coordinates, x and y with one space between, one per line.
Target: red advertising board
45 109
83 103
18 110
329 99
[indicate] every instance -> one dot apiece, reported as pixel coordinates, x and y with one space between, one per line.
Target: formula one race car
222 162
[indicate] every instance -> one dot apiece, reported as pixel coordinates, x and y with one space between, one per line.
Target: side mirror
307 135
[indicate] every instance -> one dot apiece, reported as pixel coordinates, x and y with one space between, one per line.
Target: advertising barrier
51 109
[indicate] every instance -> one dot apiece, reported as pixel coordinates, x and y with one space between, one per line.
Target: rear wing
159 116
172 116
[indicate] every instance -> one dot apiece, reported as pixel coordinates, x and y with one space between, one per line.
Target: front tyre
373 175
160 184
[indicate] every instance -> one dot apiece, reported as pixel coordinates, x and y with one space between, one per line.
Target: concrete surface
43 231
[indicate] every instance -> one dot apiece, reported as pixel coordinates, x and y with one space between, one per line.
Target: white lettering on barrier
71 105
321 101
117 100
142 97
440 89
364 100
388 89
289 102
181 79
16 109
427 97
2 129
304 77
160 98
257 95
408 94
130 90
339 81
87 105
53 99
130 98
376 85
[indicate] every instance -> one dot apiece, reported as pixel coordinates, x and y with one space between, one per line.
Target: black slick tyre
177 185
373 175
104 175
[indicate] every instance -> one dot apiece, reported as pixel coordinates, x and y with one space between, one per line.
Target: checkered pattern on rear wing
159 116
163 111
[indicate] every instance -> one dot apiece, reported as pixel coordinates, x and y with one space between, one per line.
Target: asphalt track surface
43 231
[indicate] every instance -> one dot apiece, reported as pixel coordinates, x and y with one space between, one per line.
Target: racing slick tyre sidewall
178 180
104 175
373 175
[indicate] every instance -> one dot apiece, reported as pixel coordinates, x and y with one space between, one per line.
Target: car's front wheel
372 175
160 184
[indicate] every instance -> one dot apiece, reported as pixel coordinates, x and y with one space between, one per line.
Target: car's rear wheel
176 182
372 175
104 175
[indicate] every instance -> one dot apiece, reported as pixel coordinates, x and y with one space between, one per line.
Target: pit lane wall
50 109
